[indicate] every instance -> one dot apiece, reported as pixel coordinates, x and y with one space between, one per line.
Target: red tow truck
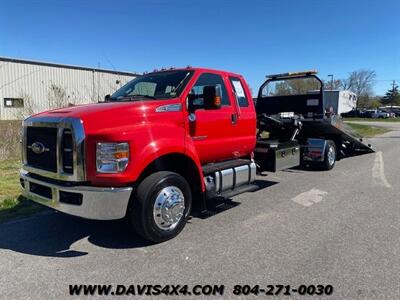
175 141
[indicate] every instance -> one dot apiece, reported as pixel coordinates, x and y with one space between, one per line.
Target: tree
375 103
29 106
364 101
333 85
57 97
392 96
294 86
360 82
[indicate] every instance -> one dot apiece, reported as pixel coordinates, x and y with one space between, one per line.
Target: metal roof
57 65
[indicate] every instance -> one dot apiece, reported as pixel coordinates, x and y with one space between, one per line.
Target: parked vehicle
378 114
174 141
392 109
369 112
355 113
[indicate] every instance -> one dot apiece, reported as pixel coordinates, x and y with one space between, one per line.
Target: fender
147 143
190 151
151 153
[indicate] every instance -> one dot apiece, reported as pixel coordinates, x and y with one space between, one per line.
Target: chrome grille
63 141
67 151
41 149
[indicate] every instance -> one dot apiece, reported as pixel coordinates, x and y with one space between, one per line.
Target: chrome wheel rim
169 208
331 156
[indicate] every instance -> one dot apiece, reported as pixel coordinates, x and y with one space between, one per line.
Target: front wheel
161 206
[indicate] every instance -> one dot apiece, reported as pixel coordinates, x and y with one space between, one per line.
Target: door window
209 79
239 92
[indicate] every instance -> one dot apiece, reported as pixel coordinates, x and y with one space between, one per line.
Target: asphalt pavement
340 227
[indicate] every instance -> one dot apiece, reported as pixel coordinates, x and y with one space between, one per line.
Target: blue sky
253 38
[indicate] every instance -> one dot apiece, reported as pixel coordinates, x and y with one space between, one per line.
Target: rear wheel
161 206
330 156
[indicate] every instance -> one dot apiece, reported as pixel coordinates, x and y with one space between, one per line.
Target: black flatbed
334 126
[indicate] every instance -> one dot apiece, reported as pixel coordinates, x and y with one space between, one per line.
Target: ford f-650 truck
173 141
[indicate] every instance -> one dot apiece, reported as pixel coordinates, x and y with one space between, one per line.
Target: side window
239 92
209 79
13 102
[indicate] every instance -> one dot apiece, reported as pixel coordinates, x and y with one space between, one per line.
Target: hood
106 116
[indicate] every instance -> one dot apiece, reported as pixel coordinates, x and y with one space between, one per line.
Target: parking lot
303 227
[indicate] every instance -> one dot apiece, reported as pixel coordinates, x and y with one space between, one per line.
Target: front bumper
97 203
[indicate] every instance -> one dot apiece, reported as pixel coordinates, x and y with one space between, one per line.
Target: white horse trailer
339 102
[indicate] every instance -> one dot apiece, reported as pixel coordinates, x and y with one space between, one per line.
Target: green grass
367 130
372 120
12 204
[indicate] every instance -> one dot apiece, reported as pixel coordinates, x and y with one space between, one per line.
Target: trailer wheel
161 206
330 156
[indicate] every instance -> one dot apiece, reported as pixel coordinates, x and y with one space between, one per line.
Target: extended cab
165 143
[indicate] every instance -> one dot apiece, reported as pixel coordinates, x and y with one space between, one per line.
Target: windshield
162 85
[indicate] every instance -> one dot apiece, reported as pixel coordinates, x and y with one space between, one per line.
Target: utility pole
331 76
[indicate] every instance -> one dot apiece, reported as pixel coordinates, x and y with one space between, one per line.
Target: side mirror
212 97
107 98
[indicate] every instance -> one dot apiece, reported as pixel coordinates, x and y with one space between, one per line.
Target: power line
385 79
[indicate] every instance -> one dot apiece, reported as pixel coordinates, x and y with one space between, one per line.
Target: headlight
112 157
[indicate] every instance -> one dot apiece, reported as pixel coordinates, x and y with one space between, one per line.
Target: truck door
245 133
213 131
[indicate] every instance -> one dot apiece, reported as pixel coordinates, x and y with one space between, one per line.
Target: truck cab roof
197 69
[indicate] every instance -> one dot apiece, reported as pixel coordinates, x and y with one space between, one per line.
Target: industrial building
28 87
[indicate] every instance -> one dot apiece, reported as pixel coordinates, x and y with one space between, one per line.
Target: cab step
216 206
240 190
222 203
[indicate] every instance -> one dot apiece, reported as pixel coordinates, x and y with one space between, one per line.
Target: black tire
328 164
141 209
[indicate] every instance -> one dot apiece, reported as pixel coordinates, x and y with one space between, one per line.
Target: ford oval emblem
38 147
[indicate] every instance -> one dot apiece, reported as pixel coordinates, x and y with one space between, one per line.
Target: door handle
234 118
